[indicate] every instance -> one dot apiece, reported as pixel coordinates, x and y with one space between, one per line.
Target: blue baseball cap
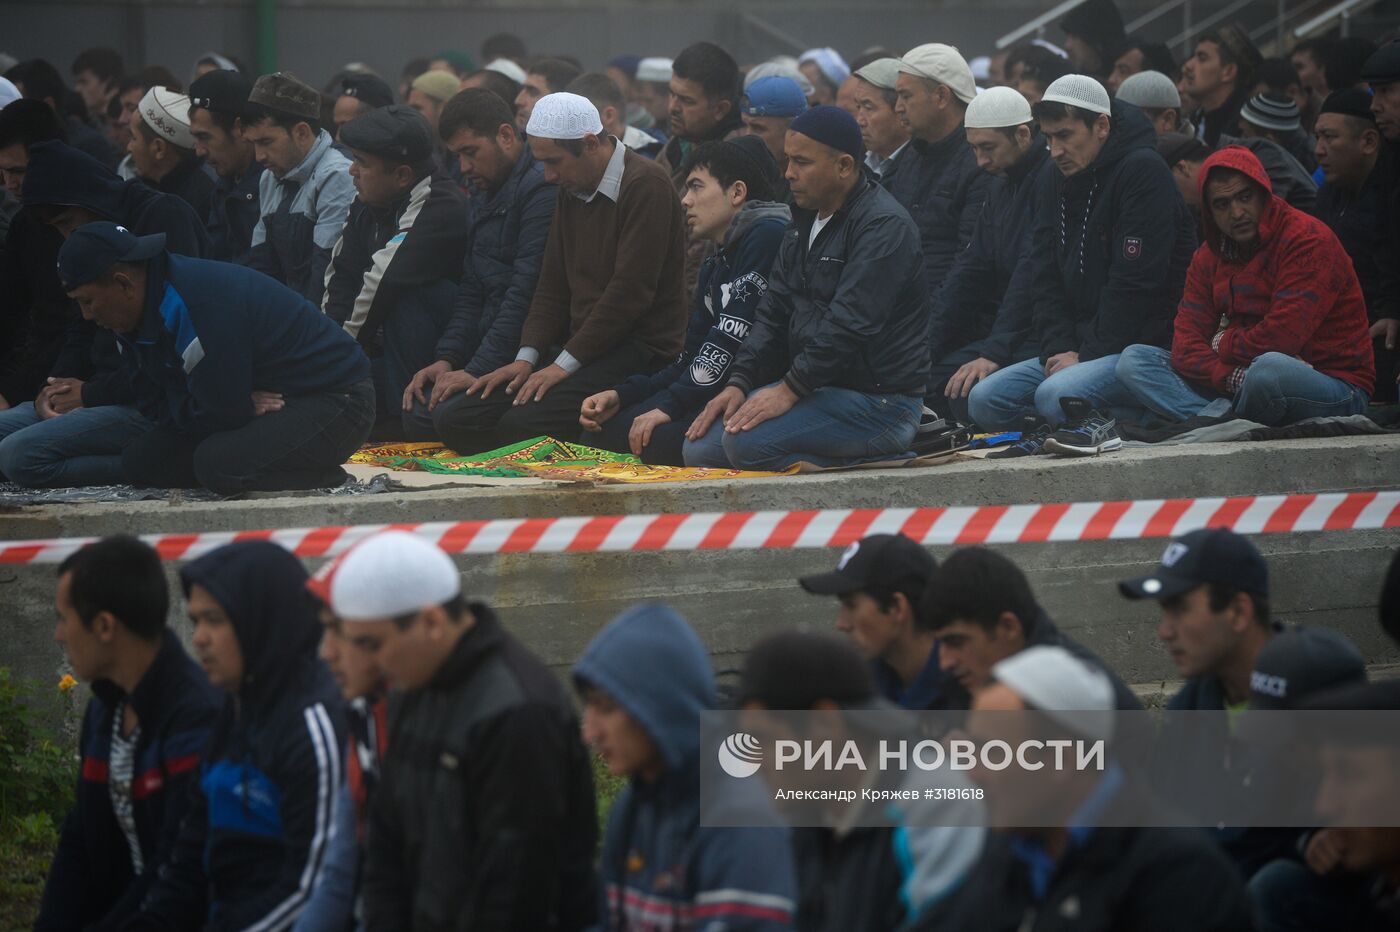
774 96
94 248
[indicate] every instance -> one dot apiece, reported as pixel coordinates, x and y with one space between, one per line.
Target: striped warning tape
834 527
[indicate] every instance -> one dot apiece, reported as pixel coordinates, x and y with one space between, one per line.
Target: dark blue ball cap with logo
878 560
94 248
1210 555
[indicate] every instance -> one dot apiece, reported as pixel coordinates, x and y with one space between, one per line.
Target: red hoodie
1298 295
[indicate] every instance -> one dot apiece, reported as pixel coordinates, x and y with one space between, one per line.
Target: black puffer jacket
852 311
484 815
1110 248
507 233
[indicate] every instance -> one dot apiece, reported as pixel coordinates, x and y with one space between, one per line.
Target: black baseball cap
1302 663
222 92
1210 555
877 560
395 131
95 247
369 88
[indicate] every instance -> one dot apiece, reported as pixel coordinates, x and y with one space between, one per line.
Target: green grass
606 787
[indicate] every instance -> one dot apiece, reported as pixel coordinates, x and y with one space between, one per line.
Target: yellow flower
66 683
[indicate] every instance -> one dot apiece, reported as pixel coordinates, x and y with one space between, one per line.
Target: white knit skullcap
564 116
997 108
508 68
656 70
1149 89
390 574
1054 681
168 115
777 69
8 92
1079 90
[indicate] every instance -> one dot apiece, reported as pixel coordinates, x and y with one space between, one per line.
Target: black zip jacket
852 311
1110 248
484 815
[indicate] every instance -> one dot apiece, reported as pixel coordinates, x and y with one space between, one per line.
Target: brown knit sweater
613 272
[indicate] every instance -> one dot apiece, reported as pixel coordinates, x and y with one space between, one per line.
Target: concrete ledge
557 602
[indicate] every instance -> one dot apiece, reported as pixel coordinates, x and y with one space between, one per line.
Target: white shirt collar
611 185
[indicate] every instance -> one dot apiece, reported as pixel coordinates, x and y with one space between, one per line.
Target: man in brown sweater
610 302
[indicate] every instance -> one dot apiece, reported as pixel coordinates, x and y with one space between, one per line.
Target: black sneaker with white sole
1085 432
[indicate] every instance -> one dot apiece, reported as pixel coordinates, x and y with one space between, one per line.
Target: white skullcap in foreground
564 116
1149 89
1054 681
1079 90
997 108
390 574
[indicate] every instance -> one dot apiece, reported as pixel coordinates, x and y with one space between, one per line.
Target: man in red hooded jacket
1272 314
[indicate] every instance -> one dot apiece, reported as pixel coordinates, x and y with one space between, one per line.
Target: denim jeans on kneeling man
830 427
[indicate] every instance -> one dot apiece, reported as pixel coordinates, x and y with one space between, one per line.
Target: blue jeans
829 427
1147 373
1006 397
82 447
1277 389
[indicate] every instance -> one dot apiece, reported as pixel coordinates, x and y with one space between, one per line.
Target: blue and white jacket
303 213
261 819
213 332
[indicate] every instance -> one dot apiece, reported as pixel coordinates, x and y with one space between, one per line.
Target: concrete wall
557 602
316 38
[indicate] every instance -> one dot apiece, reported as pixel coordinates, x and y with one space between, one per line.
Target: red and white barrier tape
783 530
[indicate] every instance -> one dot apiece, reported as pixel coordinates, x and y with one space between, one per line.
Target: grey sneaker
1086 432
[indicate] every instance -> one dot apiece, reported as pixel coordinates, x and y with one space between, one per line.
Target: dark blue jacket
1110 248
92 883
941 186
61 175
254 842
732 282
986 300
662 870
507 231
850 311
213 333
233 215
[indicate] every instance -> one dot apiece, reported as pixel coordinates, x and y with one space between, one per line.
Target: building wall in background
316 40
